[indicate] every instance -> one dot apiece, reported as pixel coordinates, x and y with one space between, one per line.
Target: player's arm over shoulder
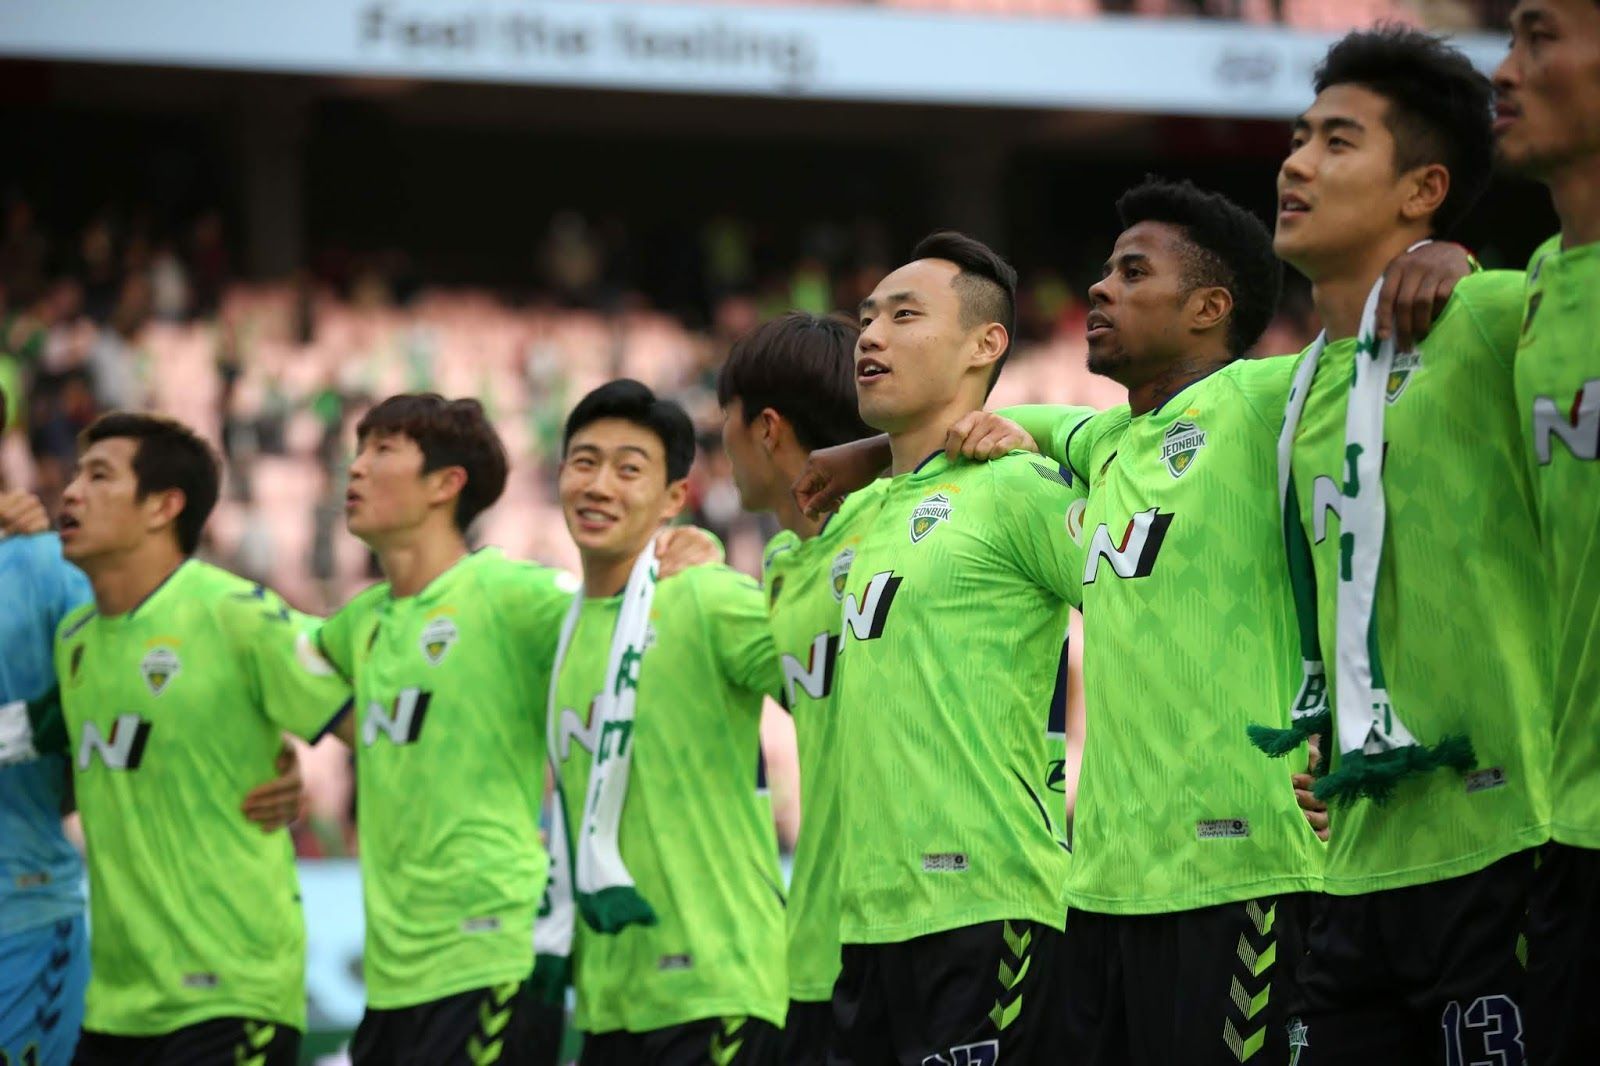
529 601
1494 300
1062 432
1263 386
295 684
733 615
1038 505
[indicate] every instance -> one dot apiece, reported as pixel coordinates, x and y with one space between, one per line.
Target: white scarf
598 880
1376 749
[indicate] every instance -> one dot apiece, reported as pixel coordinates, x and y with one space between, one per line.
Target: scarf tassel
1374 777
1280 742
614 908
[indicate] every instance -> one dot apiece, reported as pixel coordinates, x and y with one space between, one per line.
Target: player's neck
1173 377
1339 290
124 582
412 563
910 445
784 508
1575 190
605 574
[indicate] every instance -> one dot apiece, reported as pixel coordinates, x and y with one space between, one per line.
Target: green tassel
1280 742
551 976
611 910
1374 777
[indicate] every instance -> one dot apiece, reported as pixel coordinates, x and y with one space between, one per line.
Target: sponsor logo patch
159 666
944 862
201 980
681 961
490 924
1222 829
929 513
1179 445
1482 780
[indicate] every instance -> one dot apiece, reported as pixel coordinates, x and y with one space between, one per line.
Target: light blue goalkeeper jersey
41 875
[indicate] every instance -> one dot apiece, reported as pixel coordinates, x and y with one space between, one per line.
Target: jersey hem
699 1013
998 912
817 993
183 1020
76 912
1529 837
1575 836
481 979
1275 886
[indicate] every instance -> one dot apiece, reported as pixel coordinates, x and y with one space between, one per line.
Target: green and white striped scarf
1376 750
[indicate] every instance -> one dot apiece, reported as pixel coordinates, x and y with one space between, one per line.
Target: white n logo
865 618
1326 495
402 727
1135 555
815 678
571 728
123 750
1579 428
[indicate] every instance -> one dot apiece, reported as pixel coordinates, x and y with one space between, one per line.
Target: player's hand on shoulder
831 474
1416 287
984 435
681 547
22 513
281 801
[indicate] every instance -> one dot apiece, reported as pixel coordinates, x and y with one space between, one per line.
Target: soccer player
176 684
655 717
449 658
955 619
1416 527
787 388
1548 127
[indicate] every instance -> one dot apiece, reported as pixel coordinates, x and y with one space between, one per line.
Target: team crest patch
841 570
437 637
929 513
1400 374
159 666
1183 440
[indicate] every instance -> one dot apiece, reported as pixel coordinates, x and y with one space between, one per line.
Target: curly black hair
1228 247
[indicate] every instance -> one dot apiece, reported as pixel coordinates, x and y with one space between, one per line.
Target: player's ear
446 483
161 509
1428 188
677 497
771 429
1209 308
992 343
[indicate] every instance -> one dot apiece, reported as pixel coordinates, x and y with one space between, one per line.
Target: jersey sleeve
1495 300
1058 431
298 688
532 600
735 616
1039 510
335 636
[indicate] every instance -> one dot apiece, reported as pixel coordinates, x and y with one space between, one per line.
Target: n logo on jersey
1133 556
865 618
403 726
814 677
929 513
1179 445
159 666
1578 426
841 572
437 638
122 750
571 727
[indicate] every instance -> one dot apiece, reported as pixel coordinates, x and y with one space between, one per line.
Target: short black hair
449 433
803 366
1439 106
1227 247
167 455
987 284
632 401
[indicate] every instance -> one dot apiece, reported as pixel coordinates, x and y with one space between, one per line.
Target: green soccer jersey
805 583
955 623
1558 397
1460 601
696 838
175 710
1189 637
451 687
